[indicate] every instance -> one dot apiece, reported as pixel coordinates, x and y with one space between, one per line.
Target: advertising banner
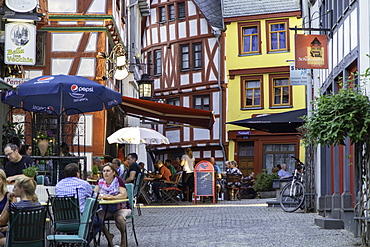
20 43
311 51
298 76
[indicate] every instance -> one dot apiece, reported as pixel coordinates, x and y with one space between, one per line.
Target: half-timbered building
183 54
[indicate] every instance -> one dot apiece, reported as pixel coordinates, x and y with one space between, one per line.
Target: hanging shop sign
20 43
22 6
311 51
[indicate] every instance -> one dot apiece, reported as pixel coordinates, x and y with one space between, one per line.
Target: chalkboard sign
204 180
204 184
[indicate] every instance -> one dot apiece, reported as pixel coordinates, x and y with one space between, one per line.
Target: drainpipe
217 34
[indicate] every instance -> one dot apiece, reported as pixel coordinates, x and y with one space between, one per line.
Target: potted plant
12 130
95 171
30 171
263 184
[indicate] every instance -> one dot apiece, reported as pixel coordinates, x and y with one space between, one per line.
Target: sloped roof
212 11
234 8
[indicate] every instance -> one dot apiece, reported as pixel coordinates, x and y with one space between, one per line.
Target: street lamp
116 63
145 87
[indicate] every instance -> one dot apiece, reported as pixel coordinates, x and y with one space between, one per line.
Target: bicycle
292 196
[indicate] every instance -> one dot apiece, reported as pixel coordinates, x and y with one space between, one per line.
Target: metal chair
130 195
26 227
66 213
84 227
137 190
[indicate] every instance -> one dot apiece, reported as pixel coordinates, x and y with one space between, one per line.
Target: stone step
327 223
273 203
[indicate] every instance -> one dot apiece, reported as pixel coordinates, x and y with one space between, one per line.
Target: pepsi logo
50 108
46 78
74 88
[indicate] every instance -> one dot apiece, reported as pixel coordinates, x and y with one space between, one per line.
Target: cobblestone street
230 223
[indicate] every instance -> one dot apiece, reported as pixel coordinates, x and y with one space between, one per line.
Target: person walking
187 163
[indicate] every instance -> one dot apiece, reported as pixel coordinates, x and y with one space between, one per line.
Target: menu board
204 183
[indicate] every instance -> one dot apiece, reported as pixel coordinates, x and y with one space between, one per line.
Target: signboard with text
298 76
311 51
20 43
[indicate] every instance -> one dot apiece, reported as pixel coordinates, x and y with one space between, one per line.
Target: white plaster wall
163 33
153 16
156 84
201 134
94 23
191 8
91 44
335 49
330 55
59 41
173 136
172 32
184 79
61 66
62 6
193 27
354 25
346 42
197 77
203 26
98 7
30 74
340 43
67 22
154 35
182 30
216 129
216 103
86 67
185 101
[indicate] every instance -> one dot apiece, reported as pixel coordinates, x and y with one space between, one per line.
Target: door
246 157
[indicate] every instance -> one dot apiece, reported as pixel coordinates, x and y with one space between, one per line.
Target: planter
43 146
267 194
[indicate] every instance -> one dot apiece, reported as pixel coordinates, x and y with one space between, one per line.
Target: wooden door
246 157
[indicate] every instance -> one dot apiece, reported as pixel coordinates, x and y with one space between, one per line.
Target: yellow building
259 50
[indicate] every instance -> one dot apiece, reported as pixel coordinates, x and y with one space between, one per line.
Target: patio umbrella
137 135
55 93
285 122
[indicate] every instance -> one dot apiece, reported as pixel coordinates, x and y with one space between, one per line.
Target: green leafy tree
336 118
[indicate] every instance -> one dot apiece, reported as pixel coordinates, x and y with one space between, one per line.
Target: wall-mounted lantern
145 87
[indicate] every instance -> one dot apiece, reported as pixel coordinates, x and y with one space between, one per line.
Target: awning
190 116
285 122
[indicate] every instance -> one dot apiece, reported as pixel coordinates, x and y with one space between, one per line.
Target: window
157 62
197 55
281 95
162 14
185 57
249 38
202 102
40 48
252 91
181 10
149 63
274 154
176 102
277 35
171 12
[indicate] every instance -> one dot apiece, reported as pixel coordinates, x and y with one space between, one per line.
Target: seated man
247 187
163 175
67 187
283 173
14 167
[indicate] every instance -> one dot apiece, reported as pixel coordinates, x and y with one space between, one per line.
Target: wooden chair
233 182
26 227
171 190
84 227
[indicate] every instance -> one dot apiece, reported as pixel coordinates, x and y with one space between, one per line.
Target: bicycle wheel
292 196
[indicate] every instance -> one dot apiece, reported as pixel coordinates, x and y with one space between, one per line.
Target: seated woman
112 188
3 200
24 188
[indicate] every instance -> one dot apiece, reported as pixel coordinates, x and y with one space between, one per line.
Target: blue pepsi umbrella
58 93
